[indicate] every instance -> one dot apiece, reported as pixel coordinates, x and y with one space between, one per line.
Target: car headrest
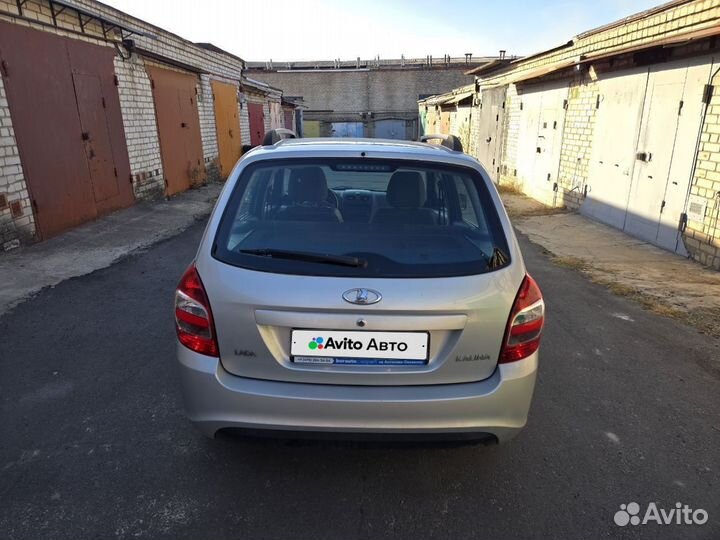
406 189
308 184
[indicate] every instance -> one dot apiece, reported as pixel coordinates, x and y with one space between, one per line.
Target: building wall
511 133
577 141
208 132
675 103
702 237
16 218
158 47
244 121
348 95
141 133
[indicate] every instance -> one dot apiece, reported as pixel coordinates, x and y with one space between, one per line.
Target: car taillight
193 318
522 336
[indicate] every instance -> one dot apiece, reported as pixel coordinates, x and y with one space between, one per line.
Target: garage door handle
230 133
488 139
183 124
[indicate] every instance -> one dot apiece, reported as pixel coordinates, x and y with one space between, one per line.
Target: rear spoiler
448 141
276 135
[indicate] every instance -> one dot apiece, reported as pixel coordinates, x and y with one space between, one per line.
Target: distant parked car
362 288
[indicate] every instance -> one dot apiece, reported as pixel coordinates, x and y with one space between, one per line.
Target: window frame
495 227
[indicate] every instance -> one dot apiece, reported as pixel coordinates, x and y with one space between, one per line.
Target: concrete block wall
577 141
702 238
141 133
384 92
16 217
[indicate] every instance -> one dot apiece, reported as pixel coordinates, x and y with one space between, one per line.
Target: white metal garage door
644 146
666 150
542 120
617 124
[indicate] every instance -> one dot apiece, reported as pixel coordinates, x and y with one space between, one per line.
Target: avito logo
347 344
316 343
682 514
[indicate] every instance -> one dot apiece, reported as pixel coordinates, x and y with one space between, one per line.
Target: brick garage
137 45
634 102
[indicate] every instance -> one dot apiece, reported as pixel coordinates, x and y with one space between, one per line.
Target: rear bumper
497 406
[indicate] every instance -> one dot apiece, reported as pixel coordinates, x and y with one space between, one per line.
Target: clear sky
327 29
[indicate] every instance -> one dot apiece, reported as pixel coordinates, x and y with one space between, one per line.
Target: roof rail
448 141
276 135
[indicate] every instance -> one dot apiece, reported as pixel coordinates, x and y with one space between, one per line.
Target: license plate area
348 348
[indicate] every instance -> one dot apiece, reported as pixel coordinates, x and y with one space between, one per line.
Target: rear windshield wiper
322 258
497 259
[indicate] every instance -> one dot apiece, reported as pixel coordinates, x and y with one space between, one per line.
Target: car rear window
372 218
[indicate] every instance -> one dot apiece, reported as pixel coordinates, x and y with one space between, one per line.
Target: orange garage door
227 125
179 128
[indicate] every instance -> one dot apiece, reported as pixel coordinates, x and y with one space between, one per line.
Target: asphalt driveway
94 444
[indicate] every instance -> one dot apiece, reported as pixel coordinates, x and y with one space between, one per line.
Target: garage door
460 124
256 116
431 121
347 129
489 130
444 124
644 146
390 129
289 119
617 124
311 128
542 120
227 125
174 95
665 151
68 125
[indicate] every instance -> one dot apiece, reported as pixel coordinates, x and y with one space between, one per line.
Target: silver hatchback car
359 287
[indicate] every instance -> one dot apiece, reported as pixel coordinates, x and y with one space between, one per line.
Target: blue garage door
390 129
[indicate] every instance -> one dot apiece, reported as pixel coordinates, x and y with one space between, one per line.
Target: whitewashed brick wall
577 141
511 132
141 134
267 118
244 121
16 217
208 131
